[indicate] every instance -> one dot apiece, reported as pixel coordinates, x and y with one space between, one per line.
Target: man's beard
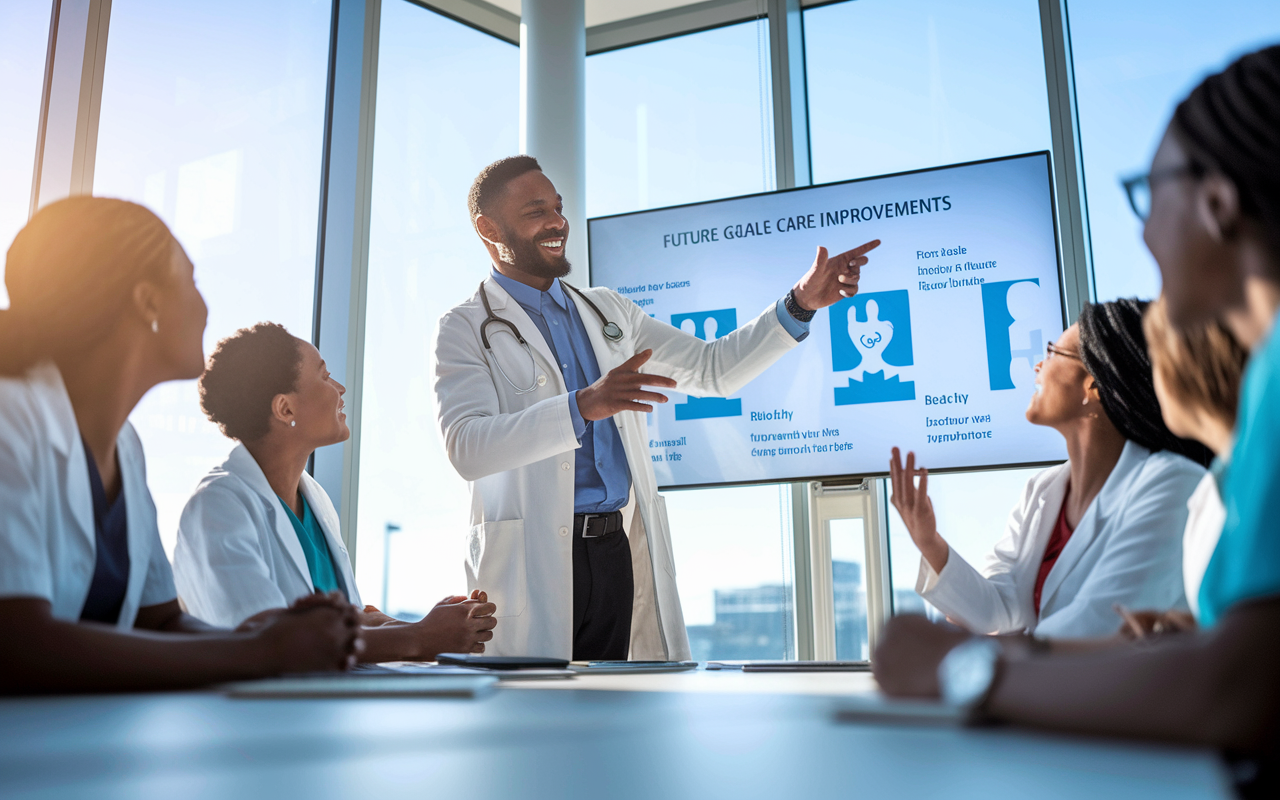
528 256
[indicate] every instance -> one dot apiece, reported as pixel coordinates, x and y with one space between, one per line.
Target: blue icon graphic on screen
708 326
871 335
1005 304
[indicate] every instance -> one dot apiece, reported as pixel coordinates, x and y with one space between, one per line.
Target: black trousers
603 588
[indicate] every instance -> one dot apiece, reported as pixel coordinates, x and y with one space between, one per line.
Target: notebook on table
630 667
792 666
357 685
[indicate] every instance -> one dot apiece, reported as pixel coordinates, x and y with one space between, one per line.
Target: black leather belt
593 526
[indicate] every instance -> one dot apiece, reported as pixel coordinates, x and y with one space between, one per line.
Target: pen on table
1131 621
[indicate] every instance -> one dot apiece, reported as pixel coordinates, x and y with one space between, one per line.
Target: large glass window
448 104
904 84
1132 66
213 117
678 121
932 83
24 37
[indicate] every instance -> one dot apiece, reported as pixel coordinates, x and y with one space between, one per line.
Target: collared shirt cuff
579 424
798 330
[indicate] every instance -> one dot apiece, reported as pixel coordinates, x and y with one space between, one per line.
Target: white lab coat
517 452
48 545
237 551
1127 549
1205 517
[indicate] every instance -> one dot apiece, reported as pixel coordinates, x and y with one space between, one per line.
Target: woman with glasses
1101 530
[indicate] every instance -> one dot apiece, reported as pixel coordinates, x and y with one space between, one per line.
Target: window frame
67 143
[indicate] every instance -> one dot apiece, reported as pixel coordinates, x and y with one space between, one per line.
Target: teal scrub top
1246 563
316 549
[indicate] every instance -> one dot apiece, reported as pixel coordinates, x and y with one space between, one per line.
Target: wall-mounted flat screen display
935 353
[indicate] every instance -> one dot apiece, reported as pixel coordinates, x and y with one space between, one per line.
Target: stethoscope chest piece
612 332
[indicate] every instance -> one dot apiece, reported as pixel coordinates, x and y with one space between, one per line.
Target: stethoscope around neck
609 328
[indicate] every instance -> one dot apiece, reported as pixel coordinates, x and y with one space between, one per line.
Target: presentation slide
935 353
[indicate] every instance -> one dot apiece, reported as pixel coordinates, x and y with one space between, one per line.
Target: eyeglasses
1053 350
1138 187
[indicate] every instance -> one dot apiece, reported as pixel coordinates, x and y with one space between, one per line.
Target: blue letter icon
998 320
874 341
707 326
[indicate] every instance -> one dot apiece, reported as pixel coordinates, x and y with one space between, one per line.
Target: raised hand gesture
621 390
832 278
916 508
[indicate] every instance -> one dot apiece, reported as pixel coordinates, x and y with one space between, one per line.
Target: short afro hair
246 371
493 179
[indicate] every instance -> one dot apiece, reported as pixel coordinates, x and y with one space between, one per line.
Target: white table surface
694 735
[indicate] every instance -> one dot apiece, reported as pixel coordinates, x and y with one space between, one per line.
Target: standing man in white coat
541 403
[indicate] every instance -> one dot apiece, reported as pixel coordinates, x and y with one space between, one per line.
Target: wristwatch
968 674
794 309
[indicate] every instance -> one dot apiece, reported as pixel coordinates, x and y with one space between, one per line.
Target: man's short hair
493 179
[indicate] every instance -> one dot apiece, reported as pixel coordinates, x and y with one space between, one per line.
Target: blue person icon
871 337
708 326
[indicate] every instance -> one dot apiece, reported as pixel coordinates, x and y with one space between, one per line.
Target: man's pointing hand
833 278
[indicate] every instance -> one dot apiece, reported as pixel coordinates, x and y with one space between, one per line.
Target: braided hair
71 273
1114 351
1230 123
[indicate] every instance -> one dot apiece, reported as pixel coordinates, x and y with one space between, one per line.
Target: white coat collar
500 300
244 466
62 426
1095 519
322 507
64 437
608 354
141 526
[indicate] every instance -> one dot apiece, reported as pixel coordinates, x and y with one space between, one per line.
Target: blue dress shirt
601 479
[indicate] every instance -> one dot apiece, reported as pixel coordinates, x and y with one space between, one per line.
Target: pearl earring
1085 401
293 423
155 326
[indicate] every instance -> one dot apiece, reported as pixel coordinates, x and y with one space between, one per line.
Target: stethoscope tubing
610 329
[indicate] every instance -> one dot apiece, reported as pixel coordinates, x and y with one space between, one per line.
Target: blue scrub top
1246 563
111 550
324 576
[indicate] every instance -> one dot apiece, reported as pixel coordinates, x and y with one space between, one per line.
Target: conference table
701 735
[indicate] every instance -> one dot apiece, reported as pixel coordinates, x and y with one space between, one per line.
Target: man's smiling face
528 213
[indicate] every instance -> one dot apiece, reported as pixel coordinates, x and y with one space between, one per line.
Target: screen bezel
854 477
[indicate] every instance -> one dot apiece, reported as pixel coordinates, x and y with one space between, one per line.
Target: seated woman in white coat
1101 530
103 307
259 532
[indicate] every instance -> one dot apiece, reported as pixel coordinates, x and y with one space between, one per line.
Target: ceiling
601 12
